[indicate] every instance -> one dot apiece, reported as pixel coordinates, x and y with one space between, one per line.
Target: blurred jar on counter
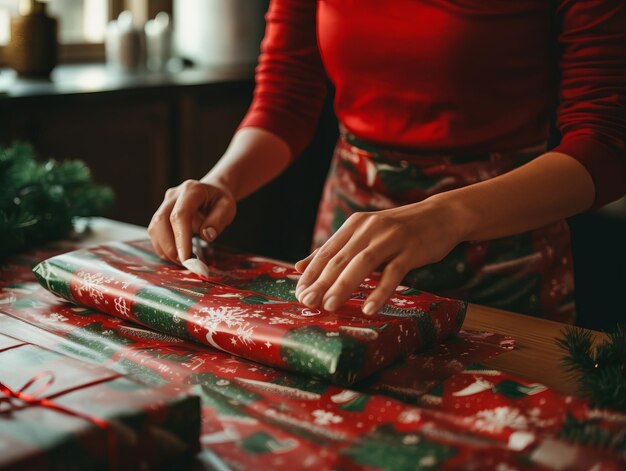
33 48
158 42
125 44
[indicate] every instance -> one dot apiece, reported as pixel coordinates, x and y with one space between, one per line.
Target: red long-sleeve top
452 76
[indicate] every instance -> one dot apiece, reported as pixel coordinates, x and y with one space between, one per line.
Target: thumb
221 215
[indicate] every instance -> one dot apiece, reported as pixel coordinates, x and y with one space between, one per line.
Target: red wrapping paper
257 417
247 307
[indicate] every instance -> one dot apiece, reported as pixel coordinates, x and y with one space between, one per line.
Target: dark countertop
98 78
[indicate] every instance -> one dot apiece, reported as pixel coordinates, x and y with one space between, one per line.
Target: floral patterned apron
529 273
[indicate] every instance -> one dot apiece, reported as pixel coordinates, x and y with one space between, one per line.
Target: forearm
549 188
253 158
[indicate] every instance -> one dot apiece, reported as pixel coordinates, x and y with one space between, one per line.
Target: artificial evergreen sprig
39 200
600 370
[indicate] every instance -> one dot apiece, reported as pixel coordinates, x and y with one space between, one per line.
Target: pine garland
600 370
39 200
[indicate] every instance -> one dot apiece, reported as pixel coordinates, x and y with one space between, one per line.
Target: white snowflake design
494 420
93 284
323 417
233 317
402 302
409 416
280 320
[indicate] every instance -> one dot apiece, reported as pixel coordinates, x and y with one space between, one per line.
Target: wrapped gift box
257 417
246 306
57 412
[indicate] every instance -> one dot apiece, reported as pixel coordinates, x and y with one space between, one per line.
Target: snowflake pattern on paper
495 420
323 417
93 284
402 302
410 416
233 317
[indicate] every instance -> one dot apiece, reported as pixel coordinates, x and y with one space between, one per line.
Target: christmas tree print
387 449
280 288
164 310
324 354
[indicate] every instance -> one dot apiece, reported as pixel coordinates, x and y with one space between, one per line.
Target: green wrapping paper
246 306
61 413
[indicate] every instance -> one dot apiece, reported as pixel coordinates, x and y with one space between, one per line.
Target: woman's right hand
193 207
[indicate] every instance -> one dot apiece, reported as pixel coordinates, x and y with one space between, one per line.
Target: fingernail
310 299
209 234
369 308
179 250
330 303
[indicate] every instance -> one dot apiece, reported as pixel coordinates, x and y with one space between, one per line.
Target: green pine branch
39 200
601 370
592 432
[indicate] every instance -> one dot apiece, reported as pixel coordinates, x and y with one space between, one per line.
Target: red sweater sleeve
290 79
592 110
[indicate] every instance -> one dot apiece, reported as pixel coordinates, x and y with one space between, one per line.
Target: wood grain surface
536 355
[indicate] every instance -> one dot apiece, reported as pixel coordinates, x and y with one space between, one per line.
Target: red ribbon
34 399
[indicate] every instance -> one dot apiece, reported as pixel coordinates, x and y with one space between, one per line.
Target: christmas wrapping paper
246 306
258 417
62 413
254 417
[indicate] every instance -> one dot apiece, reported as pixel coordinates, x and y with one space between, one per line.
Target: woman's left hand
401 239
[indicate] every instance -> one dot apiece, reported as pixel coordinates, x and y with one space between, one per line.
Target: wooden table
536 356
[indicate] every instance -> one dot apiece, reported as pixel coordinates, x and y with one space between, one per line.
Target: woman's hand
401 239
193 207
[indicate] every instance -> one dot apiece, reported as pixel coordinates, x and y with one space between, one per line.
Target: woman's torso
444 75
